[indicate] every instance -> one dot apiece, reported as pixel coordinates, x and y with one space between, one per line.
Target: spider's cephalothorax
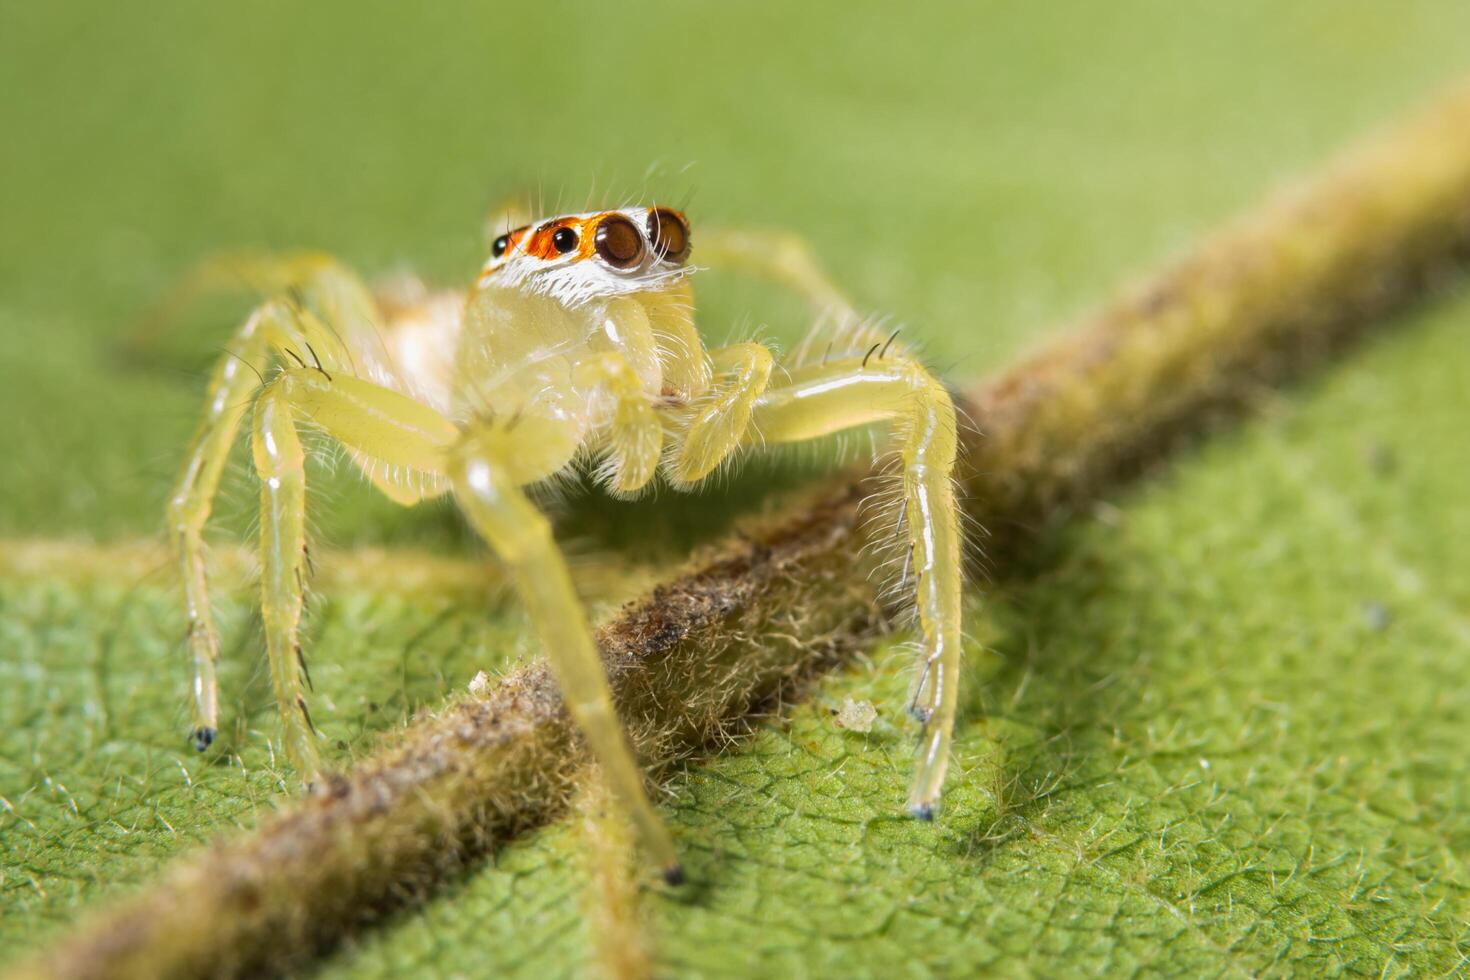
578 337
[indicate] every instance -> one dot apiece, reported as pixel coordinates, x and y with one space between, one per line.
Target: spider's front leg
821 399
817 400
488 469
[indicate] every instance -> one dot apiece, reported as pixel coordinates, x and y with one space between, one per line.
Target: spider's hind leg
260 274
780 256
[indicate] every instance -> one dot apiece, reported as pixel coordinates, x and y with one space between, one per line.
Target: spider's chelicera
578 338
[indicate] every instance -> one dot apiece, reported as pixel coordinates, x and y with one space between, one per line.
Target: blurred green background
1220 733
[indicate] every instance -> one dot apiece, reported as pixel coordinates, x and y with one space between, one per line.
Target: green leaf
1217 728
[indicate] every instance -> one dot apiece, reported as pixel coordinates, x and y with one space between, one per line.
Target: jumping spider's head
579 258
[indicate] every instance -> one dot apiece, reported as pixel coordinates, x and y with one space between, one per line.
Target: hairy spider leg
488 472
814 400
238 375
327 320
817 400
373 421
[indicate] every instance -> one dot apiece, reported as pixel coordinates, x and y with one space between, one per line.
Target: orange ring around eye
669 233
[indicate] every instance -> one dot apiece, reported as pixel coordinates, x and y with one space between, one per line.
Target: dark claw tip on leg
203 738
922 811
674 875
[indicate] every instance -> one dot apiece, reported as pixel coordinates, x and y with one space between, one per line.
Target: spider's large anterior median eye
669 233
619 243
498 247
564 241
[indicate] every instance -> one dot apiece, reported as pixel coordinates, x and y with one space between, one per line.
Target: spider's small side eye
669 233
498 247
564 241
619 243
